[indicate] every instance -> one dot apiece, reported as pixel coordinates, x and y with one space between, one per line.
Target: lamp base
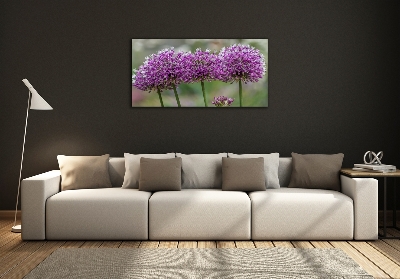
16 229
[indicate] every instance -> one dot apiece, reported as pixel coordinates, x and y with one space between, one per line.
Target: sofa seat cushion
301 214
199 214
97 214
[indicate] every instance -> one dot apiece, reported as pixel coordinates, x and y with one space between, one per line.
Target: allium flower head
241 62
162 70
204 65
222 101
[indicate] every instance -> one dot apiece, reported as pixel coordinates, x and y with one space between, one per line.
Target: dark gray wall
333 80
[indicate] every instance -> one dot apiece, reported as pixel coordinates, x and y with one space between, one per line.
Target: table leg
394 204
384 207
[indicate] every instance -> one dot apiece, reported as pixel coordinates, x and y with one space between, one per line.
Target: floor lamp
35 101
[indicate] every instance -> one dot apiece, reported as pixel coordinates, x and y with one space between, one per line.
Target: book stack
374 168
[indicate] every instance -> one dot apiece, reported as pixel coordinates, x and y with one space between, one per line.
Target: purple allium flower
241 62
162 70
204 65
222 101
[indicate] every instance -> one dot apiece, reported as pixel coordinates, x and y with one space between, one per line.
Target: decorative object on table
373 158
198 263
374 164
35 102
175 69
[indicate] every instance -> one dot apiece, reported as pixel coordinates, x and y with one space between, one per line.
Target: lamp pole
16 228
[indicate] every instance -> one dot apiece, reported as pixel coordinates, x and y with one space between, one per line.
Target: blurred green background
190 95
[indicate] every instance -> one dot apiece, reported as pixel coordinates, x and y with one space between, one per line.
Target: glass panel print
210 73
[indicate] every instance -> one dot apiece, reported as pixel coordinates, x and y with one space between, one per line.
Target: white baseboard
6 214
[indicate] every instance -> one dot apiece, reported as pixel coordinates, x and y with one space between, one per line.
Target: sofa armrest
364 192
35 191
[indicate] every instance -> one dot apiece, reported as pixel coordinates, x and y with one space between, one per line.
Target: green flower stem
159 96
176 95
240 93
204 93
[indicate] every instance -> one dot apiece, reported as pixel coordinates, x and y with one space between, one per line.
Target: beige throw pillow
271 166
132 167
316 171
243 174
82 172
160 174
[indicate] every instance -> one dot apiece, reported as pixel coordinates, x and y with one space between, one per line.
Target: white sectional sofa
198 214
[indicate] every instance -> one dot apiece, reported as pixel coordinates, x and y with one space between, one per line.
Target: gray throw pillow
132 167
160 174
244 174
316 171
83 172
201 171
271 166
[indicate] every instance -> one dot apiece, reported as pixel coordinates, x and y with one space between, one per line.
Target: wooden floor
379 258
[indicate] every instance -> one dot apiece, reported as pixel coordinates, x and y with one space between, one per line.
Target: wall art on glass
199 73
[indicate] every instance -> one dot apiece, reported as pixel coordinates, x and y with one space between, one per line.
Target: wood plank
34 259
187 244
4 232
168 244
378 258
5 239
359 258
130 244
8 224
321 244
395 243
206 244
149 244
18 255
110 244
72 244
386 250
263 244
92 244
286 244
226 244
393 232
244 244
302 244
10 246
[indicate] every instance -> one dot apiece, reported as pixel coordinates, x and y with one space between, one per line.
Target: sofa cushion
316 171
116 168
243 174
160 174
132 167
271 165
103 214
199 214
284 171
201 171
79 172
301 214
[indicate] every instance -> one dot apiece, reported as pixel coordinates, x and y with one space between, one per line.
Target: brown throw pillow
316 171
243 174
82 172
160 174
